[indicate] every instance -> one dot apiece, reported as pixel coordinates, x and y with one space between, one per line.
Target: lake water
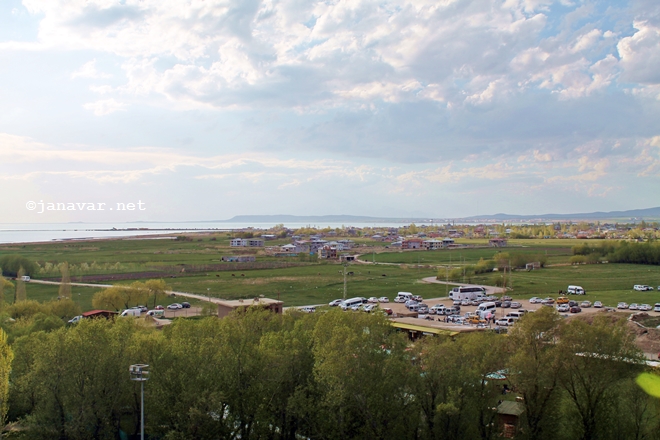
39 232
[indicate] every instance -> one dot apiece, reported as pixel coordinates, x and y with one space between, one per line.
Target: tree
157 289
3 284
111 298
598 358
20 293
537 370
6 358
65 285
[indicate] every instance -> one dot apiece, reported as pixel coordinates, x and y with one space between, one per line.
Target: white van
156 313
516 315
402 297
575 290
345 305
131 312
485 309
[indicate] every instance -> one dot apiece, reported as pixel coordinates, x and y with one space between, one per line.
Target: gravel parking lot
402 314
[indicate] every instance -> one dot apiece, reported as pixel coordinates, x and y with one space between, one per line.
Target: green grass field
458 257
323 282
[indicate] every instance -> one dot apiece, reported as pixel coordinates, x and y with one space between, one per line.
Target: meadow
321 282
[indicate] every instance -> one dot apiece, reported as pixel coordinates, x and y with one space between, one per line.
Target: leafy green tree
20 293
6 358
536 370
156 289
111 298
65 285
11 264
361 379
598 357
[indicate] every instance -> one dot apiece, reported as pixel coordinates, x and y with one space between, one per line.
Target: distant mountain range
637 214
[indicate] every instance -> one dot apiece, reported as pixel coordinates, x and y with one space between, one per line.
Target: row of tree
619 252
334 375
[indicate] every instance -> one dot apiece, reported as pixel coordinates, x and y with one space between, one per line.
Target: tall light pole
140 373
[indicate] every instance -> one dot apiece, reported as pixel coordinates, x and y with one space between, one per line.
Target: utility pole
345 264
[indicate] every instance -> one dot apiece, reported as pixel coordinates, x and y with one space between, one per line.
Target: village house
328 252
246 242
497 242
411 243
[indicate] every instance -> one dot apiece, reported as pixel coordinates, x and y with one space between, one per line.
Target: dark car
498 303
507 298
506 304
576 309
572 303
185 305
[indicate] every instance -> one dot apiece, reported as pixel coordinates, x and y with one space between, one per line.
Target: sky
206 109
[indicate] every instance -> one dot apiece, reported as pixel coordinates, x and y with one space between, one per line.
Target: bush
578 259
11 264
26 309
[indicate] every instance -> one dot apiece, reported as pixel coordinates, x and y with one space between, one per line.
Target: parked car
535 300
143 309
572 303
585 304
563 308
410 302
387 311
505 321
506 304
75 319
644 307
548 300
622 306
383 299
515 305
507 298
465 302
633 306
399 299
459 320
175 306
642 287
369 307
562 300
423 309
159 307
185 305
498 303
335 302
418 298
452 310
598 304
576 309
437 309
476 320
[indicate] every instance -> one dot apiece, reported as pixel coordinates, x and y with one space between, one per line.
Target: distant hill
639 214
646 214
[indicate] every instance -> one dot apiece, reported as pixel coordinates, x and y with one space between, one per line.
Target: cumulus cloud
105 106
88 70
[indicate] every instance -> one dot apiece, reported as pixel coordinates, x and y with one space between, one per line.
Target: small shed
508 414
107 314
